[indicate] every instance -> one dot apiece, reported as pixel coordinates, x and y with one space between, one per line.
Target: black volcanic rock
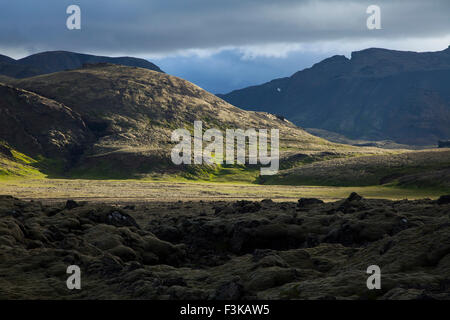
71 204
444 199
378 94
305 202
130 256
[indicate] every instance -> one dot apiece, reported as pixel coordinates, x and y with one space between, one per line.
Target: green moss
221 173
16 168
23 166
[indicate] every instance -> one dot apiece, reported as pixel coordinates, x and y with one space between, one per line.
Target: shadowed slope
54 61
378 94
36 125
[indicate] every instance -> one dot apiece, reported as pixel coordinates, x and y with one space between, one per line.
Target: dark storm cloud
226 71
164 26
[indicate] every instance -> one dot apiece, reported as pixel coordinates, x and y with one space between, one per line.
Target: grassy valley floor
120 191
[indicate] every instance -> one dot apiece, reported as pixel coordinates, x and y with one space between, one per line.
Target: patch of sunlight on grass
139 190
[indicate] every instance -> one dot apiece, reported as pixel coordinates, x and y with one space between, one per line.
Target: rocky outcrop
192 250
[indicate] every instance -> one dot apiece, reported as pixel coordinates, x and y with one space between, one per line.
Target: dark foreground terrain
226 250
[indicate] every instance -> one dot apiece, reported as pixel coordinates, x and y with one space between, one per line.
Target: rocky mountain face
54 61
119 119
378 94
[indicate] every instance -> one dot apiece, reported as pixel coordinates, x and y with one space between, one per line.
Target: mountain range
377 94
111 121
107 120
54 61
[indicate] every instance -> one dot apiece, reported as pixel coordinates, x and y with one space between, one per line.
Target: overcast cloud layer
164 29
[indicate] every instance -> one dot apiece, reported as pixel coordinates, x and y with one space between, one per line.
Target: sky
223 45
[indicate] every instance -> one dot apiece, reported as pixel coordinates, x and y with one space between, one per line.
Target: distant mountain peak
378 94
375 50
334 59
6 59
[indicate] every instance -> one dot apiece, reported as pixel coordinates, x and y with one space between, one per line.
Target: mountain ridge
363 97
54 61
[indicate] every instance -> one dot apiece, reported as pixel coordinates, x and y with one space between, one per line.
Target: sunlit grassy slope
412 175
418 169
18 165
